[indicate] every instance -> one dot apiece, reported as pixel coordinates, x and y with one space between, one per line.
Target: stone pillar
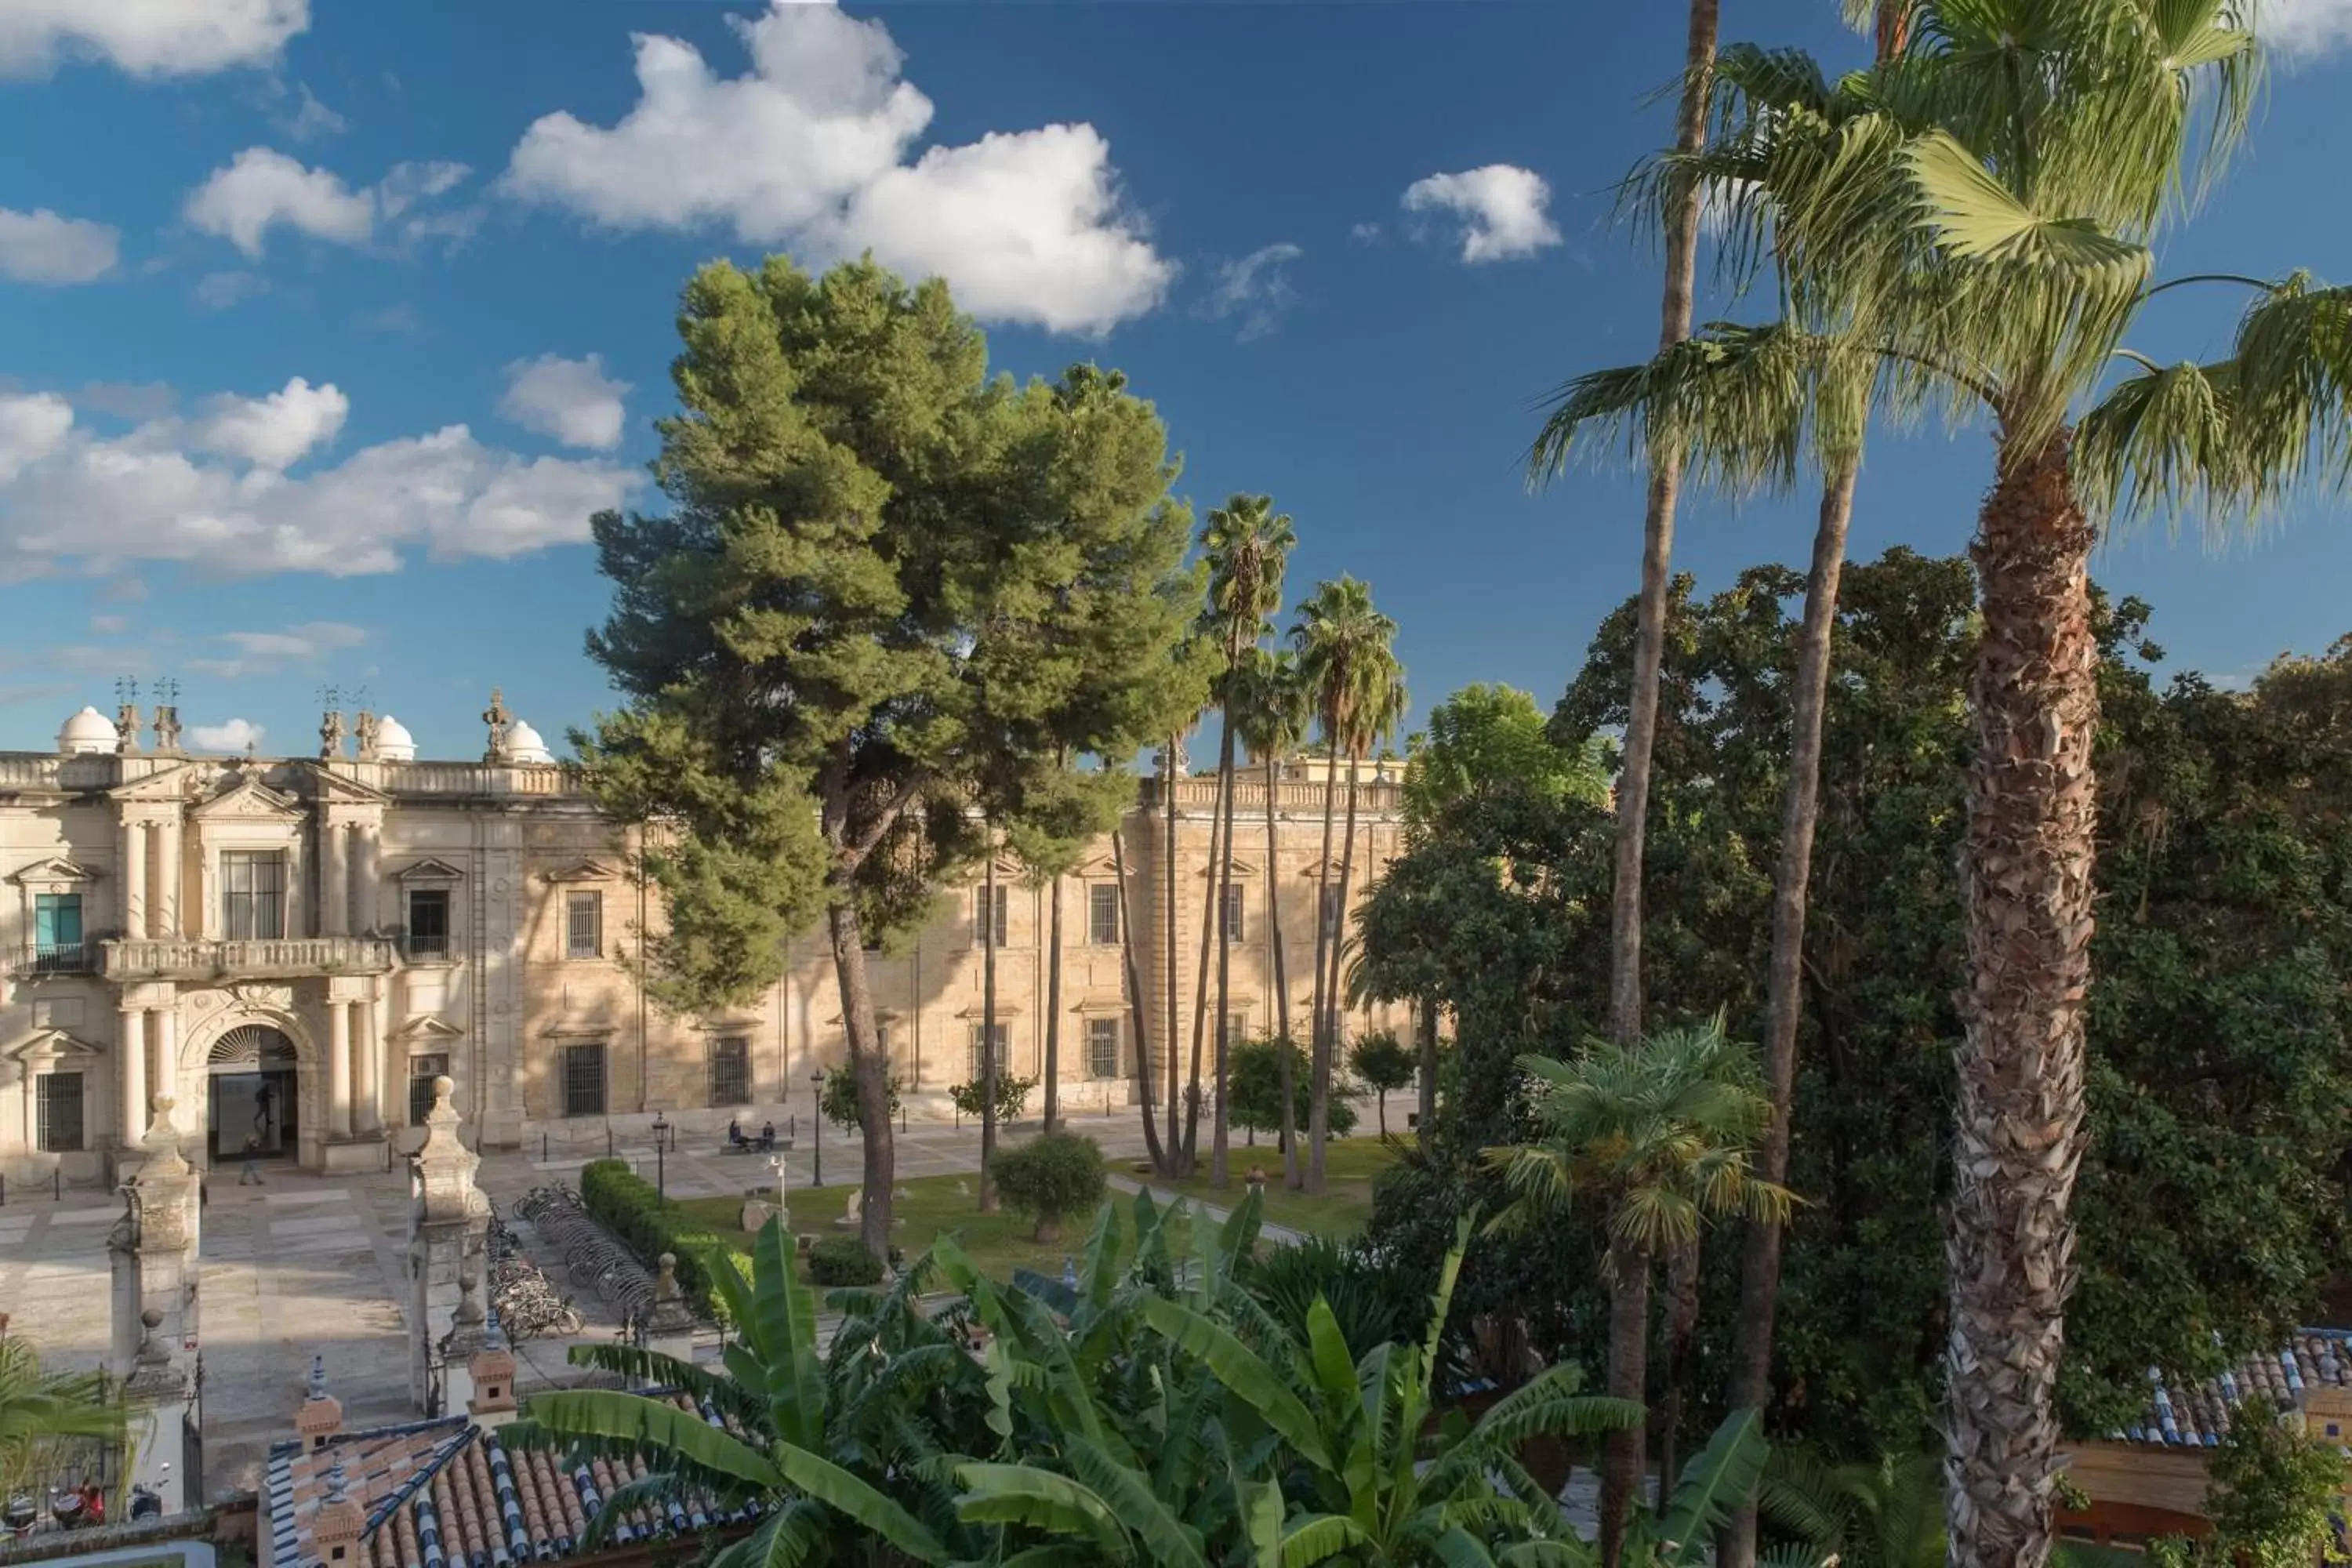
339 1068
368 1042
130 1077
335 884
669 1321
155 1246
163 1030
158 1395
134 880
448 1230
170 874
367 881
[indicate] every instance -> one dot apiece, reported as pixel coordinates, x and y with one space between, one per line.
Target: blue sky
329 324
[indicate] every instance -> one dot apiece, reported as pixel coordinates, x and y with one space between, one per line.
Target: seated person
734 1132
768 1135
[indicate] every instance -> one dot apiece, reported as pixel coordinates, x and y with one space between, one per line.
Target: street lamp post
661 1163
817 1120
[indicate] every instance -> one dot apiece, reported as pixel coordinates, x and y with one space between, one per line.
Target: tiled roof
2197 1416
446 1494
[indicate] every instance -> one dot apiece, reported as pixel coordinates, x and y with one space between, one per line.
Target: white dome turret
525 746
394 743
86 731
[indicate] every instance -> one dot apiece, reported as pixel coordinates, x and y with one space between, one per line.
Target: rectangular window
974 1059
1102 914
422 1071
1331 912
253 894
731 1071
428 922
1237 1028
584 925
1004 907
584 1080
1102 1047
56 933
1233 914
58 1113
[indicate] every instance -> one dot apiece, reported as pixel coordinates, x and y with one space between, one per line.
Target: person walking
251 1170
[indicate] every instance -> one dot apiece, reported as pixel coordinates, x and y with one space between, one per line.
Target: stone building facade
296 948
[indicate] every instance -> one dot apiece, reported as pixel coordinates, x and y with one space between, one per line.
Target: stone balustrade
255 958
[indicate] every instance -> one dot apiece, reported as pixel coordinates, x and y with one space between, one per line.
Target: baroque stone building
296 948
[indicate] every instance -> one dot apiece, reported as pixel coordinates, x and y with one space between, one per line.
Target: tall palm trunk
987 1074
1428 1095
1657 553
1629 1372
1318 1086
1053 1107
1760 1269
1323 944
1218 1174
1138 1005
2026 882
871 1072
1281 990
1201 1004
1681 1319
1168 894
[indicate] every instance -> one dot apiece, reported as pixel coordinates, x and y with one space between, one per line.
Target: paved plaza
305 1265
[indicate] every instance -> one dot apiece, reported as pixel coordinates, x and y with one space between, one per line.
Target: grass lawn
1350 1165
997 1243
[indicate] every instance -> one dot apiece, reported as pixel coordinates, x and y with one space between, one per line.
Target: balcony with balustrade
245 958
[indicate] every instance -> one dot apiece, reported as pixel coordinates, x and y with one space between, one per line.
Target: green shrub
1053 1174
1253 1091
840 1261
627 1205
1012 1094
839 1102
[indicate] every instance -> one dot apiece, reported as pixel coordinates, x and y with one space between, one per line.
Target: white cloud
237 735
2305 26
261 189
219 291
1364 233
811 147
148 38
110 625
30 429
311 119
1257 287
1500 207
572 400
39 247
273 432
215 492
128 399
261 652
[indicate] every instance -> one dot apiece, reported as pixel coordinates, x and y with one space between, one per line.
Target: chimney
340 1520
492 1369
321 1417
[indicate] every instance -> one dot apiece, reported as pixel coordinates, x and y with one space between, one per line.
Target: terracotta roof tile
2197 1415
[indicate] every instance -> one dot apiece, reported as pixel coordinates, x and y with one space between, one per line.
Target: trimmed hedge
840 1261
628 1206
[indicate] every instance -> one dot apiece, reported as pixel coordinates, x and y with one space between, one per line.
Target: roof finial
335 1480
501 723
126 716
317 1377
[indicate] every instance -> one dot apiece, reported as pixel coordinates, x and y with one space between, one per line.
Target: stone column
367 1040
367 882
155 1247
163 1029
447 1233
338 1069
130 1077
134 883
171 873
335 888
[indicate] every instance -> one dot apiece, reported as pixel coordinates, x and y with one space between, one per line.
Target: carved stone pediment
246 799
52 871
172 784
334 789
429 869
582 871
51 1045
427 1029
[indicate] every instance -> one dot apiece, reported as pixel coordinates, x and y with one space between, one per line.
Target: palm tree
1269 712
1247 545
42 1412
1347 660
1885 1512
1139 1006
1657 550
1986 226
812 1455
1659 1135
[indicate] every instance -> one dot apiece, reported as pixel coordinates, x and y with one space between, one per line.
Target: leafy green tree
2271 1491
1247 545
1380 1063
1261 1067
1012 1095
41 1411
893 599
1347 659
821 1457
839 1103
1660 1137
1990 220
1053 1175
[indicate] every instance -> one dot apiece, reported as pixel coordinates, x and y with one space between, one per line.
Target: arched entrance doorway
251 1094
